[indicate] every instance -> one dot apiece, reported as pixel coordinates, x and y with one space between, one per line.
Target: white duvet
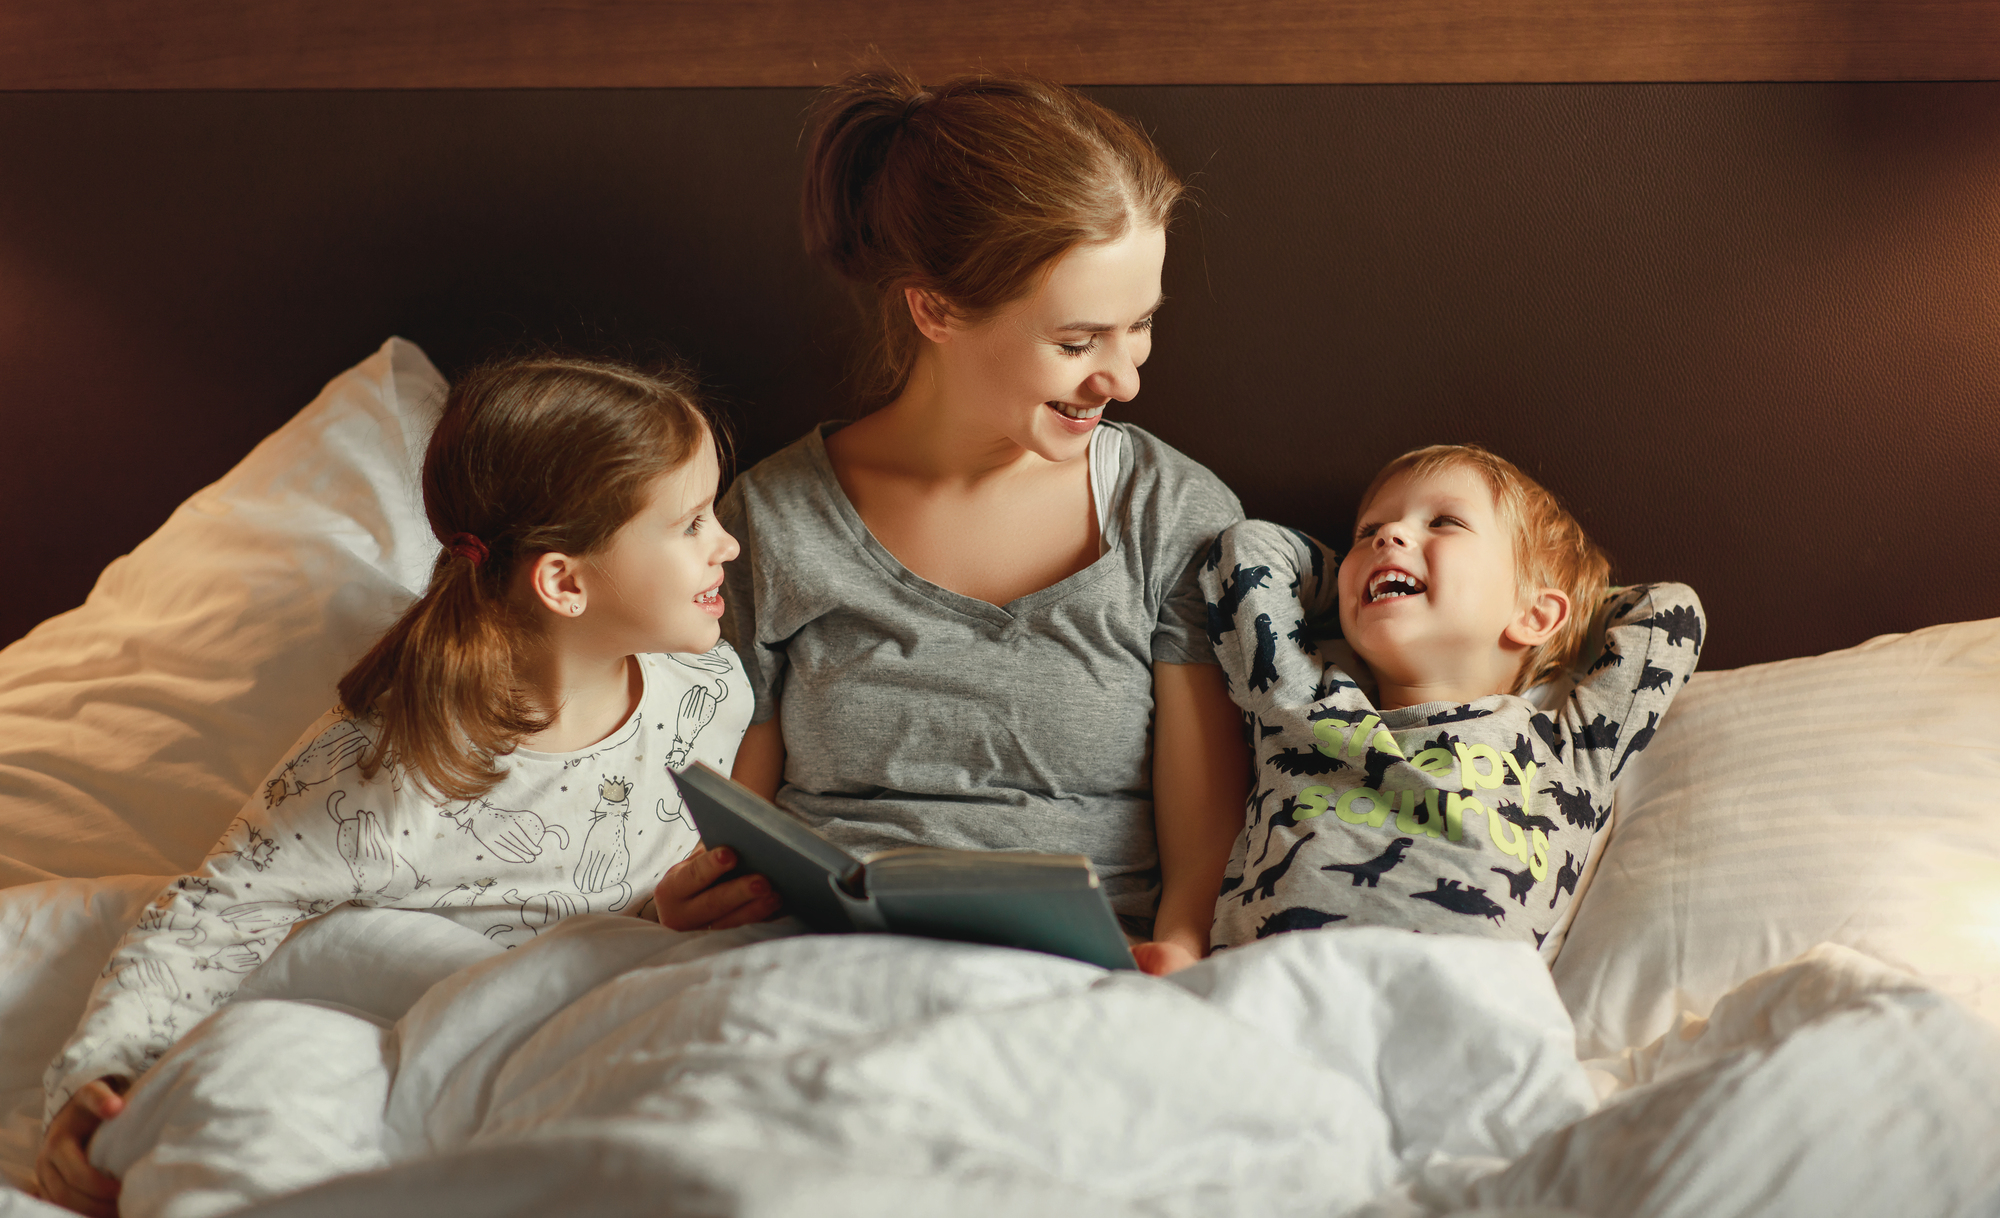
612 1067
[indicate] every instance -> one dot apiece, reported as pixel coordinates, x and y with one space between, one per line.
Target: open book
1044 902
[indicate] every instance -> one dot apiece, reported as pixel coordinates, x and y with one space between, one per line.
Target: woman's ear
932 319
1543 613
556 581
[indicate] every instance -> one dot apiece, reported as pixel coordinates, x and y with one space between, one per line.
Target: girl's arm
689 896
1201 773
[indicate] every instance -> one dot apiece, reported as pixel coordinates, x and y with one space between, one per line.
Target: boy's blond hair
1551 549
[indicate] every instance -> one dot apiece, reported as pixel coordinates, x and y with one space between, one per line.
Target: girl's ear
932 319
1539 618
556 581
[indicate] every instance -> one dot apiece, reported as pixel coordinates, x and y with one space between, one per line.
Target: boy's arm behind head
1628 674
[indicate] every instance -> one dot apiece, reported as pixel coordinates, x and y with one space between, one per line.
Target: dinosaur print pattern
555 837
1566 878
1372 871
1222 614
1296 918
1519 883
1304 761
1267 880
1263 666
1411 817
1472 902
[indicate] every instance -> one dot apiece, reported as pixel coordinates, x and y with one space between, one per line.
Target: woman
970 617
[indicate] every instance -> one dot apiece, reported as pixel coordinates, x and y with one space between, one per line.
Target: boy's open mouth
1388 584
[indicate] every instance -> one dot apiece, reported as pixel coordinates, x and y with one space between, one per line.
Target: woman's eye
1142 326
1078 348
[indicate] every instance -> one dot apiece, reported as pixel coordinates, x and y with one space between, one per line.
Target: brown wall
1748 330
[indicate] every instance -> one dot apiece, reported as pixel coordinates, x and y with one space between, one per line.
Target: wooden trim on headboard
478 44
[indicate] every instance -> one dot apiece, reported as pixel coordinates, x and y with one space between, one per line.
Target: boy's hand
62 1170
1162 957
688 897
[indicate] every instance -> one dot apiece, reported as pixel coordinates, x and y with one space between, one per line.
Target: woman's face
1042 370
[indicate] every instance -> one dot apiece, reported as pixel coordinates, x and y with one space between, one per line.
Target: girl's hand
62 1170
688 897
1162 957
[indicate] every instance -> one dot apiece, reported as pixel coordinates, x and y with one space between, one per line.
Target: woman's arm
1201 773
760 759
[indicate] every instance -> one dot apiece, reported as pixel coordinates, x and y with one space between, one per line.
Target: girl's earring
575 608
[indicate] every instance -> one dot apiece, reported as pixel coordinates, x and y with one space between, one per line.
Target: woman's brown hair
966 191
1551 550
529 456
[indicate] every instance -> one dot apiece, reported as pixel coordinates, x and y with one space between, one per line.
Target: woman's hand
62 1170
1162 957
688 897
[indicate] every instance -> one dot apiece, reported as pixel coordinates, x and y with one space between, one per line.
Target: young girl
501 756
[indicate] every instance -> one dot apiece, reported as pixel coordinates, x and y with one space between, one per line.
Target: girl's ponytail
529 457
442 683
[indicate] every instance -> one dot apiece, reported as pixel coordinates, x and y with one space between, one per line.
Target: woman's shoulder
782 473
789 490
1155 460
1167 483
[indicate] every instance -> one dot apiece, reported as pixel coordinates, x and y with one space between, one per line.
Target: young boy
1419 788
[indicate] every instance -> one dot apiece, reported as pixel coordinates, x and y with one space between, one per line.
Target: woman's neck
921 436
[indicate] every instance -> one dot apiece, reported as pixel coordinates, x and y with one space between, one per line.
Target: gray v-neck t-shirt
914 715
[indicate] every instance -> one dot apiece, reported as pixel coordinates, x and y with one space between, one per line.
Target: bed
1730 998
1764 305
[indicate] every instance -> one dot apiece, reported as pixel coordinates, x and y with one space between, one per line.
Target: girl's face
658 585
1042 370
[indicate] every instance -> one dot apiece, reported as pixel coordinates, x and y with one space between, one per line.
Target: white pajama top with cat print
1472 818
585 832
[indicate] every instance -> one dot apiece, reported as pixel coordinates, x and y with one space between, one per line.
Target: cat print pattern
555 837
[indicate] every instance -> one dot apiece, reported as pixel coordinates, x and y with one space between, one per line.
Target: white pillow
133 727
1850 798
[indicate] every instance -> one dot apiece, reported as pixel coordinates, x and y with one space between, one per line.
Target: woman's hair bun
855 122
966 190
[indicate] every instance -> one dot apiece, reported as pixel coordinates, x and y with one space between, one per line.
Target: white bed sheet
613 1067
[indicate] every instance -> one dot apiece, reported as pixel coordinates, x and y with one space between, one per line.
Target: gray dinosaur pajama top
1472 818
585 832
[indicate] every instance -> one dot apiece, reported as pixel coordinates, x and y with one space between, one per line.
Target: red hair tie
466 545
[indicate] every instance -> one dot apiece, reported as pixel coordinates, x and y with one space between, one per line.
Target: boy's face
1428 591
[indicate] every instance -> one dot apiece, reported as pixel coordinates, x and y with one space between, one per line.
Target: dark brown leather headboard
1751 332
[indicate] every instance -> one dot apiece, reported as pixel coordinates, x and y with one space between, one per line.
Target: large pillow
1850 798
133 727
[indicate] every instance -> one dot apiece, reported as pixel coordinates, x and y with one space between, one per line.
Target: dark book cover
1043 902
